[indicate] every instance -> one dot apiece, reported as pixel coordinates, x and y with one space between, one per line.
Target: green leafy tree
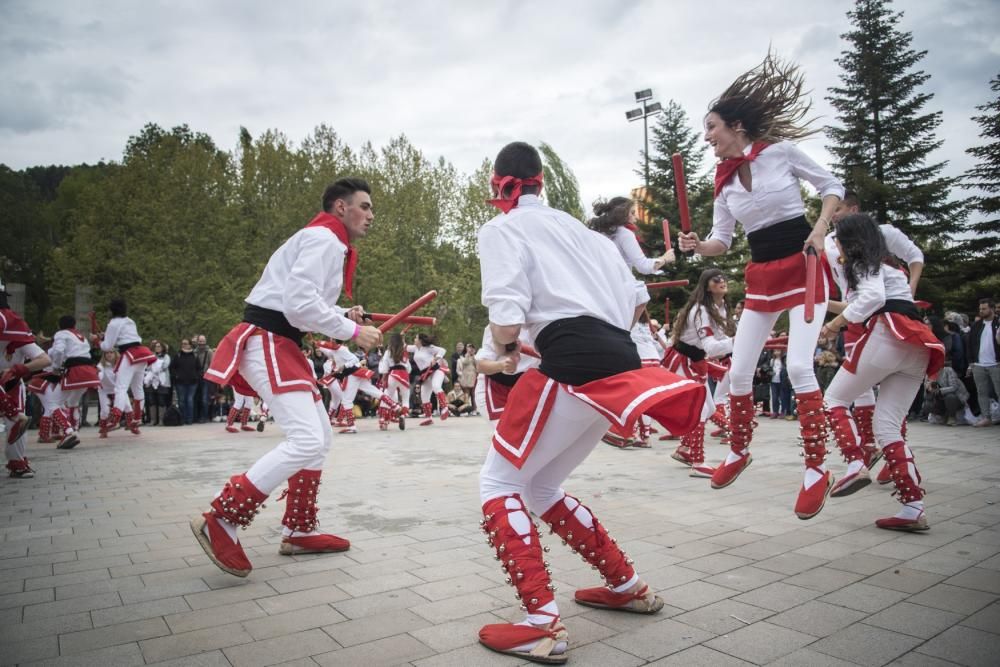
884 139
984 235
561 191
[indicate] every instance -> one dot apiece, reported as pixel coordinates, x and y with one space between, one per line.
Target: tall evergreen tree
985 177
884 140
562 191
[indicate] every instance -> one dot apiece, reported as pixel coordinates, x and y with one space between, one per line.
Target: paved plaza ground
99 566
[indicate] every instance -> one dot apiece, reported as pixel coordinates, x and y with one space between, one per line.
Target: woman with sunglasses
751 127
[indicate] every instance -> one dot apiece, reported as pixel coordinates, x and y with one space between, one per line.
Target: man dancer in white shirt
296 294
590 373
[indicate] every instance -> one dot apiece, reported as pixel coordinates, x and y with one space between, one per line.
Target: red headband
501 183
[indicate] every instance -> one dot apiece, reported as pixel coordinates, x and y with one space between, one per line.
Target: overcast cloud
460 79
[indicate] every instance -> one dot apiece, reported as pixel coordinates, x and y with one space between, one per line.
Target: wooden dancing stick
529 351
779 343
922 305
406 312
811 264
666 313
666 235
667 283
411 320
682 197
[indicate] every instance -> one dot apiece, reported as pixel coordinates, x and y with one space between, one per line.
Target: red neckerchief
76 333
335 225
725 170
500 184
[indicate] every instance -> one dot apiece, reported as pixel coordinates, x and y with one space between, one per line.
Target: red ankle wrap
741 423
526 570
844 434
300 506
907 481
594 544
694 440
812 426
239 502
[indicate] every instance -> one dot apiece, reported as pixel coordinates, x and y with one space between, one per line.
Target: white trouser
308 435
241 401
18 449
397 388
103 404
866 398
721 395
355 384
71 399
753 331
572 431
898 367
432 385
51 399
129 377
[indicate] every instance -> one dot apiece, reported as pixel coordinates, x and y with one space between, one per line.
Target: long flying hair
769 101
863 246
610 215
396 347
702 297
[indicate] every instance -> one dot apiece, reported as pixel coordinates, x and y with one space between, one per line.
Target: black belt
399 367
901 307
779 240
505 379
78 361
127 346
347 371
273 321
690 351
578 350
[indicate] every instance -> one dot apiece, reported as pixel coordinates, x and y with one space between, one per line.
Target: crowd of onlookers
964 393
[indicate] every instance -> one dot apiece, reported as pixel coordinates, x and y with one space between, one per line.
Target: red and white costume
772 215
70 355
296 293
590 374
122 334
899 245
396 380
433 372
695 355
492 390
895 352
15 352
347 369
241 408
105 396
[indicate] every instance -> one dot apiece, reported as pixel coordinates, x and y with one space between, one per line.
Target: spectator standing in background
455 356
158 383
187 375
468 371
983 353
206 390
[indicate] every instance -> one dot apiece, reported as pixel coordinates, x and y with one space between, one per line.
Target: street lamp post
649 108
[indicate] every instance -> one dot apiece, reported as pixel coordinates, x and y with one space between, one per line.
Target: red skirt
675 362
906 330
400 376
673 401
496 398
81 377
287 369
139 354
772 287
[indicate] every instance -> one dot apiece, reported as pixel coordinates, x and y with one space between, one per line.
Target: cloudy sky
460 79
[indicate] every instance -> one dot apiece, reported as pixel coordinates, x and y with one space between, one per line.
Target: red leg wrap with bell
812 426
593 543
741 425
301 517
511 532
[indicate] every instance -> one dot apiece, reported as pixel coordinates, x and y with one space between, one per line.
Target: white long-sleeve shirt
874 290
21 355
424 356
540 265
775 195
488 351
303 280
898 243
158 372
67 344
700 331
108 376
120 331
624 239
644 344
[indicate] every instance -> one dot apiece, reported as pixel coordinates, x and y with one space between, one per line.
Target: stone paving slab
98 567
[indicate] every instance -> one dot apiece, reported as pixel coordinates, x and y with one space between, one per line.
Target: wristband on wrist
357 330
